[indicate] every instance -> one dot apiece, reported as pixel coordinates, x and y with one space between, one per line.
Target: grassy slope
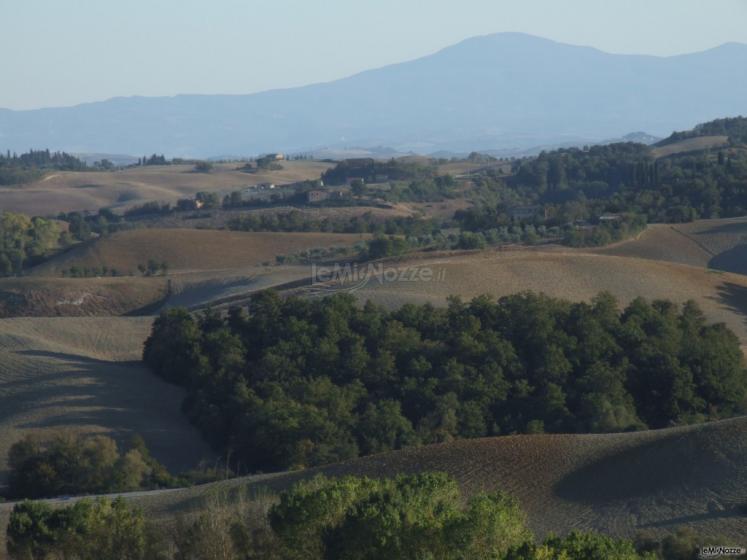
50 297
695 144
719 244
570 275
188 250
83 373
68 191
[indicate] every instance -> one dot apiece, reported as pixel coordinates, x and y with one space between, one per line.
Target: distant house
527 212
350 180
316 196
607 218
265 186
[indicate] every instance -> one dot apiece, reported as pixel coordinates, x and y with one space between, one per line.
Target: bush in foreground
70 464
420 516
87 530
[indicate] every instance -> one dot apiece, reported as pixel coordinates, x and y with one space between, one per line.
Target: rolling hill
50 297
719 244
203 265
67 191
620 484
83 374
507 90
562 273
190 250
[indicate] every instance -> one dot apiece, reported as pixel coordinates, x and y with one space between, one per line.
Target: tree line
290 383
581 184
31 166
350 518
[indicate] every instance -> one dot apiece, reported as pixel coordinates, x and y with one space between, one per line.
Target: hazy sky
59 52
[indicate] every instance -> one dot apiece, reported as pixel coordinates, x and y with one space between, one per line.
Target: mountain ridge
491 92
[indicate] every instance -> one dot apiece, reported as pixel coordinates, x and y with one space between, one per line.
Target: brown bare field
50 297
190 250
620 484
720 244
83 374
91 190
690 145
566 274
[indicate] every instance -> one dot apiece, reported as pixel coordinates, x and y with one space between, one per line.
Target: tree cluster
371 170
30 166
294 382
70 465
98 529
26 241
581 184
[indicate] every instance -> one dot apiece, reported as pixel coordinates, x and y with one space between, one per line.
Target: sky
59 53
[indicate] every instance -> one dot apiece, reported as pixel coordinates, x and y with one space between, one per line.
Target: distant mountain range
502 92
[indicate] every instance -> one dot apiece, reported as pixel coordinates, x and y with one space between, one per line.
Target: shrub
67 465
88 530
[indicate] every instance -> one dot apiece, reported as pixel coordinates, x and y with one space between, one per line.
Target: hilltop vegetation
582 184
369 170
735 128
31 166
296 383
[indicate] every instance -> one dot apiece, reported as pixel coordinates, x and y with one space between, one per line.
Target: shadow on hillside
695 518
734 297
664 466
733 260
732 227
74 358
122 398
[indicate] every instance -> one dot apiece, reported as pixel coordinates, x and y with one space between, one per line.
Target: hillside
719 244
190 250
84 374
68 191
690 145
50 297
572 275
653 481
507 90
